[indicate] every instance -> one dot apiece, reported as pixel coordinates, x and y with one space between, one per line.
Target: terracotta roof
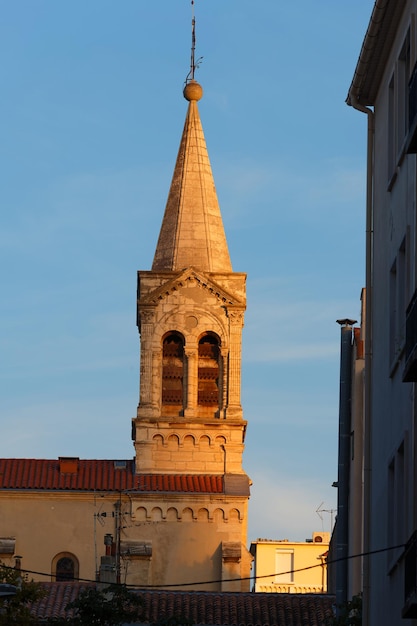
208 608
56 600
171 482
97 475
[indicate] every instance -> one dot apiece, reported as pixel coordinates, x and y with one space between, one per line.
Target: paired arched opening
174 384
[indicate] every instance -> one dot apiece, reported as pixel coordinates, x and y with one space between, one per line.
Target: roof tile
207 608
101 475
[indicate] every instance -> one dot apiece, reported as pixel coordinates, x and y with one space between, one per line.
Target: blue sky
92 112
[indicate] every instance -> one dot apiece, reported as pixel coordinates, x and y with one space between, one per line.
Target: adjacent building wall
291 567
383 88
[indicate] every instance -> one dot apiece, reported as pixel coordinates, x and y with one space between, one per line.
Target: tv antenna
319 512
194 64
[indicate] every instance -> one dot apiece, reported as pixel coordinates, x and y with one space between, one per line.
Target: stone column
191 382
145 393
149 400
235 364
156 380
224 370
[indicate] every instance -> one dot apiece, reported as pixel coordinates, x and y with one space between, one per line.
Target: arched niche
203 515
172 514
187 515
189 441
140 514
156 514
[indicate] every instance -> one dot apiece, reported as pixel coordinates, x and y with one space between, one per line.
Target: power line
221 580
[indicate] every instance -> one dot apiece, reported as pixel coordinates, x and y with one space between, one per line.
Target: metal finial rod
192 64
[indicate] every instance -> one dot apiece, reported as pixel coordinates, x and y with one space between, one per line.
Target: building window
404 68
398 298
65 567
391 129
173 369
398 110
396 503
208 370
284 565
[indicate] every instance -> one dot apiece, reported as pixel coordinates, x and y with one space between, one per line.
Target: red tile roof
97 475
208 608
170 482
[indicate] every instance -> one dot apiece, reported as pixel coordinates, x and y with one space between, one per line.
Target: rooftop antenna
319 512
194 64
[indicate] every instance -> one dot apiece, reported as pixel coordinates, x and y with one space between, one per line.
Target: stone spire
192 232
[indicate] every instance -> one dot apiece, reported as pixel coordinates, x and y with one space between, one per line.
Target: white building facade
384 87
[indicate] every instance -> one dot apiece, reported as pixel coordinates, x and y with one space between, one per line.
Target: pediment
186 278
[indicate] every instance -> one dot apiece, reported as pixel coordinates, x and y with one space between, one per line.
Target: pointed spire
192 232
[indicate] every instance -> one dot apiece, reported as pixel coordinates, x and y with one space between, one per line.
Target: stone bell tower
190 315
189 431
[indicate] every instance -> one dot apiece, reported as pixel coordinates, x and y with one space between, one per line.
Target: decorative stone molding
200 514
188 276
236 317
147 315
215 441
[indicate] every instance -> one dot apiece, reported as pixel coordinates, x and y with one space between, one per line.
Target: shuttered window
173 369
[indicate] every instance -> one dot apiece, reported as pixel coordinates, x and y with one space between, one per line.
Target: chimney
68 464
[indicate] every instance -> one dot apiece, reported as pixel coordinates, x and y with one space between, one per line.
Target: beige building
177 513
283 566
384 88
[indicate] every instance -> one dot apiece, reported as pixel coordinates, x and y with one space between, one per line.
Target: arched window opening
208 370
173 369
65 567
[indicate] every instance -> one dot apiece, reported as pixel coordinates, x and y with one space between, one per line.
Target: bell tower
190 316
189 432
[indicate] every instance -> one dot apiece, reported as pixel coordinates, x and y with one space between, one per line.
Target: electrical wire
222 580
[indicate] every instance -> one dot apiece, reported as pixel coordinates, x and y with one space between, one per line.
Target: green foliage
349 614
112 606
15 611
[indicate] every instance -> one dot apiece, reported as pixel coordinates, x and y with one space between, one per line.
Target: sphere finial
193 91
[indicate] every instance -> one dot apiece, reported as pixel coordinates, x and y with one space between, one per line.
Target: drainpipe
224 459
118 522
342 528
367 468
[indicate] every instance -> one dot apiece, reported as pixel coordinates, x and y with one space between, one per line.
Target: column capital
236 317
